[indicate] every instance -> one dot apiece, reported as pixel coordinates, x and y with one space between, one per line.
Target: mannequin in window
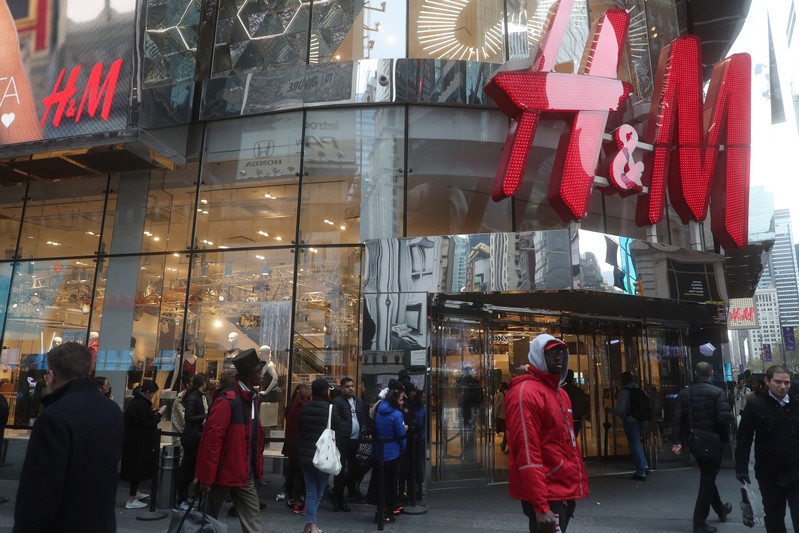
270 392
233 343
186 360
94 347
189 359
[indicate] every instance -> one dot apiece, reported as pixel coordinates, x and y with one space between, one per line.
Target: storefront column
116 350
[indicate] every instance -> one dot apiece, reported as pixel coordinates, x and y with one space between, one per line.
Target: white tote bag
327 459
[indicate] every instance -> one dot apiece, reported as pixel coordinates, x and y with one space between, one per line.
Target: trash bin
168 468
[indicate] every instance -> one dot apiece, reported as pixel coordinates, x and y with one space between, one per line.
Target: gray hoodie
536 355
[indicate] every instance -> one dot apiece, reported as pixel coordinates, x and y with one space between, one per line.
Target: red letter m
699 172
95 92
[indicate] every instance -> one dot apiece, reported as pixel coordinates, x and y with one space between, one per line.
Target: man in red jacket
545 466
230 457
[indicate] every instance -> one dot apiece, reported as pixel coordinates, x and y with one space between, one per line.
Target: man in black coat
774 417
69 478
703 406
348 419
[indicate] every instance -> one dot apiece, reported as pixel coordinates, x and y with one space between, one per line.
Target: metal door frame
440 319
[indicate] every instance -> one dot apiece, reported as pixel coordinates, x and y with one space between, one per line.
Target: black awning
596 303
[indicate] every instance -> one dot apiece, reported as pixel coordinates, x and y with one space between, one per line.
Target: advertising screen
67 68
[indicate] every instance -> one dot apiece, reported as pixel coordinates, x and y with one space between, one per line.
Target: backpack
640 408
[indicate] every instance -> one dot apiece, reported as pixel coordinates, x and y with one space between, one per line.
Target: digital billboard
67 68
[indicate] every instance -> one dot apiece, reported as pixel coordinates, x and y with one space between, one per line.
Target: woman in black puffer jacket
196 410
313 420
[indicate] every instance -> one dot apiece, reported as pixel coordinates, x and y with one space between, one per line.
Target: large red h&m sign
693 167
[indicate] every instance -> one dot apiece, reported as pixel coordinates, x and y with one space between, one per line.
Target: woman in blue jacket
389 424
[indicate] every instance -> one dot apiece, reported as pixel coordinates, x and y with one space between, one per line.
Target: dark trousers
191 444
349 469
564 510
774 500
708 493
390 487
295 484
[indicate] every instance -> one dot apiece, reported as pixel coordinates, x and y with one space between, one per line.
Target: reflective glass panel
63 218
532 205
248 194
620 217
327 315
252 34
151 211
352 187
526 20
344 31
452 159
11 203
467 30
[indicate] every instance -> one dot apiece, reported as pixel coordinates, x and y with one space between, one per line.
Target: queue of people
223 445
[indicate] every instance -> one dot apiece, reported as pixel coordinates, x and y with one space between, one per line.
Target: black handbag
704 445
365 452
196 521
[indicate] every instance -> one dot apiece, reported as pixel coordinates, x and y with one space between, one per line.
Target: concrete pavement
664 503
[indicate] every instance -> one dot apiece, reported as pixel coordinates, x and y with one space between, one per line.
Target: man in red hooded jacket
545 466
230 457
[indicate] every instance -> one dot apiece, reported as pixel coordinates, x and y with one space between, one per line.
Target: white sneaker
142 496
135 504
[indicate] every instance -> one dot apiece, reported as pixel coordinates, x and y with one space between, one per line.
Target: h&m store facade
318 176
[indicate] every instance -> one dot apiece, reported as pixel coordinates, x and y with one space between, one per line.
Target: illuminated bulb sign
699 153
742 314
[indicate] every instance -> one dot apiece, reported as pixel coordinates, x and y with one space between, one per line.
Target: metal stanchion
413 508
152 513
381 486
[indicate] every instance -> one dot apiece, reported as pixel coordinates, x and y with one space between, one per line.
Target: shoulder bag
704 445
326 458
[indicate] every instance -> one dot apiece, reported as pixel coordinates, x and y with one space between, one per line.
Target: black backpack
640 408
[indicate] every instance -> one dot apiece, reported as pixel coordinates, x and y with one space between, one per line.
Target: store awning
596 303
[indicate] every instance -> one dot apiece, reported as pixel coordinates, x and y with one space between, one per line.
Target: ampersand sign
624 172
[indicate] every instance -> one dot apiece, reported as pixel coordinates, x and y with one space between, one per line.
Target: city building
315 179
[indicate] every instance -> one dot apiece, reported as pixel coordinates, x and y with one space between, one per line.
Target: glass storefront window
470 31
248 192
12 199
352 187
326 324
452 159
49 304
63 218
151 211
241 300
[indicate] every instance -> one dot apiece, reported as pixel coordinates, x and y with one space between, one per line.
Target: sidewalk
664 503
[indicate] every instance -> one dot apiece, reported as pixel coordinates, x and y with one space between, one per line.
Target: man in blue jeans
635 411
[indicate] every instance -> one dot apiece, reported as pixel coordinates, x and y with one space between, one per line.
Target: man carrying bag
702 423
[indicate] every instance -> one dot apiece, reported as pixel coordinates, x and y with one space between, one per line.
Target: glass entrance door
459 416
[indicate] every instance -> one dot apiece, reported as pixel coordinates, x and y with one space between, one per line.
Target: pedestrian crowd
70 473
